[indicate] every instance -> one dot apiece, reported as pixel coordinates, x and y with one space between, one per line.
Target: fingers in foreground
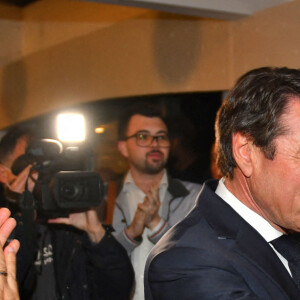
11 285
4 215
6 229
10 253
153 194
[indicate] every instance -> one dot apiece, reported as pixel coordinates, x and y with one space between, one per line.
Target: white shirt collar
128 179
261 225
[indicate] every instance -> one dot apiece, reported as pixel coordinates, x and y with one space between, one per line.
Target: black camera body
63 186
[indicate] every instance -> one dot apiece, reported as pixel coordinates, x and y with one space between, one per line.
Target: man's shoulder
190 185
183 238
183 187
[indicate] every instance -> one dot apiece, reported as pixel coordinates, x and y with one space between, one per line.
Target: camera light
70 127
99 130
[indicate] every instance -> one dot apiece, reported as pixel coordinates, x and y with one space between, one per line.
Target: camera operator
81 261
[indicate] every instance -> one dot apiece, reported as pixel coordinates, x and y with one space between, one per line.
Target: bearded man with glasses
149 201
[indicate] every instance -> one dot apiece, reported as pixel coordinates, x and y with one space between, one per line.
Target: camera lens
76 190
70 191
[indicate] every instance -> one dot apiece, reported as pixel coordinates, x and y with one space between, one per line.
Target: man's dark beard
152 168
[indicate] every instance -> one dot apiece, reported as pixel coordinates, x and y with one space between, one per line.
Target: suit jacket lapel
229 225
265 258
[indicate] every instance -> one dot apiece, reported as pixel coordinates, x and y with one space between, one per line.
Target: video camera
63 185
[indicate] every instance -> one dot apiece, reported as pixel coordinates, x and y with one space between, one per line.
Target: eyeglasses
145 139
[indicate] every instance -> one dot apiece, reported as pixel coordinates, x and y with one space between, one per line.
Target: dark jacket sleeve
109 269
181 274
83 270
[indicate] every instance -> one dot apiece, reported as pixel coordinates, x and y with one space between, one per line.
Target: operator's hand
87 221
150 207
17 183
8 283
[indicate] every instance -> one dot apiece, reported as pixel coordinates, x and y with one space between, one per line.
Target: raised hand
146 214
150 207
17 183
137 225
8 282
87 221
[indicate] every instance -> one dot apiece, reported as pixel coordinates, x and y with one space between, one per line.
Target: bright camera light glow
99 130
70 127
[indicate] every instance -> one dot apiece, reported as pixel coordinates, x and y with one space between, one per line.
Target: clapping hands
146 214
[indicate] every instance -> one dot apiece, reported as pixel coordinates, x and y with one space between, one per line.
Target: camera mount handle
27 205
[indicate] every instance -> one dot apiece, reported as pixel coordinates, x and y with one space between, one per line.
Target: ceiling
20 3
220 9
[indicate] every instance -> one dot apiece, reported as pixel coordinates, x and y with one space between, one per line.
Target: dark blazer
214 254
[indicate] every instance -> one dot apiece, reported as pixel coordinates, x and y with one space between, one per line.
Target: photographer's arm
109 270
87 221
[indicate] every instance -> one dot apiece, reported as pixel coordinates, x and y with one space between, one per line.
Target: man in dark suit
226 248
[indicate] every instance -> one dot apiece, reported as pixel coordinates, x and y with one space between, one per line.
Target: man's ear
122 147
242 150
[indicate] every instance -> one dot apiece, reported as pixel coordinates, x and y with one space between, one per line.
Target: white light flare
71 127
